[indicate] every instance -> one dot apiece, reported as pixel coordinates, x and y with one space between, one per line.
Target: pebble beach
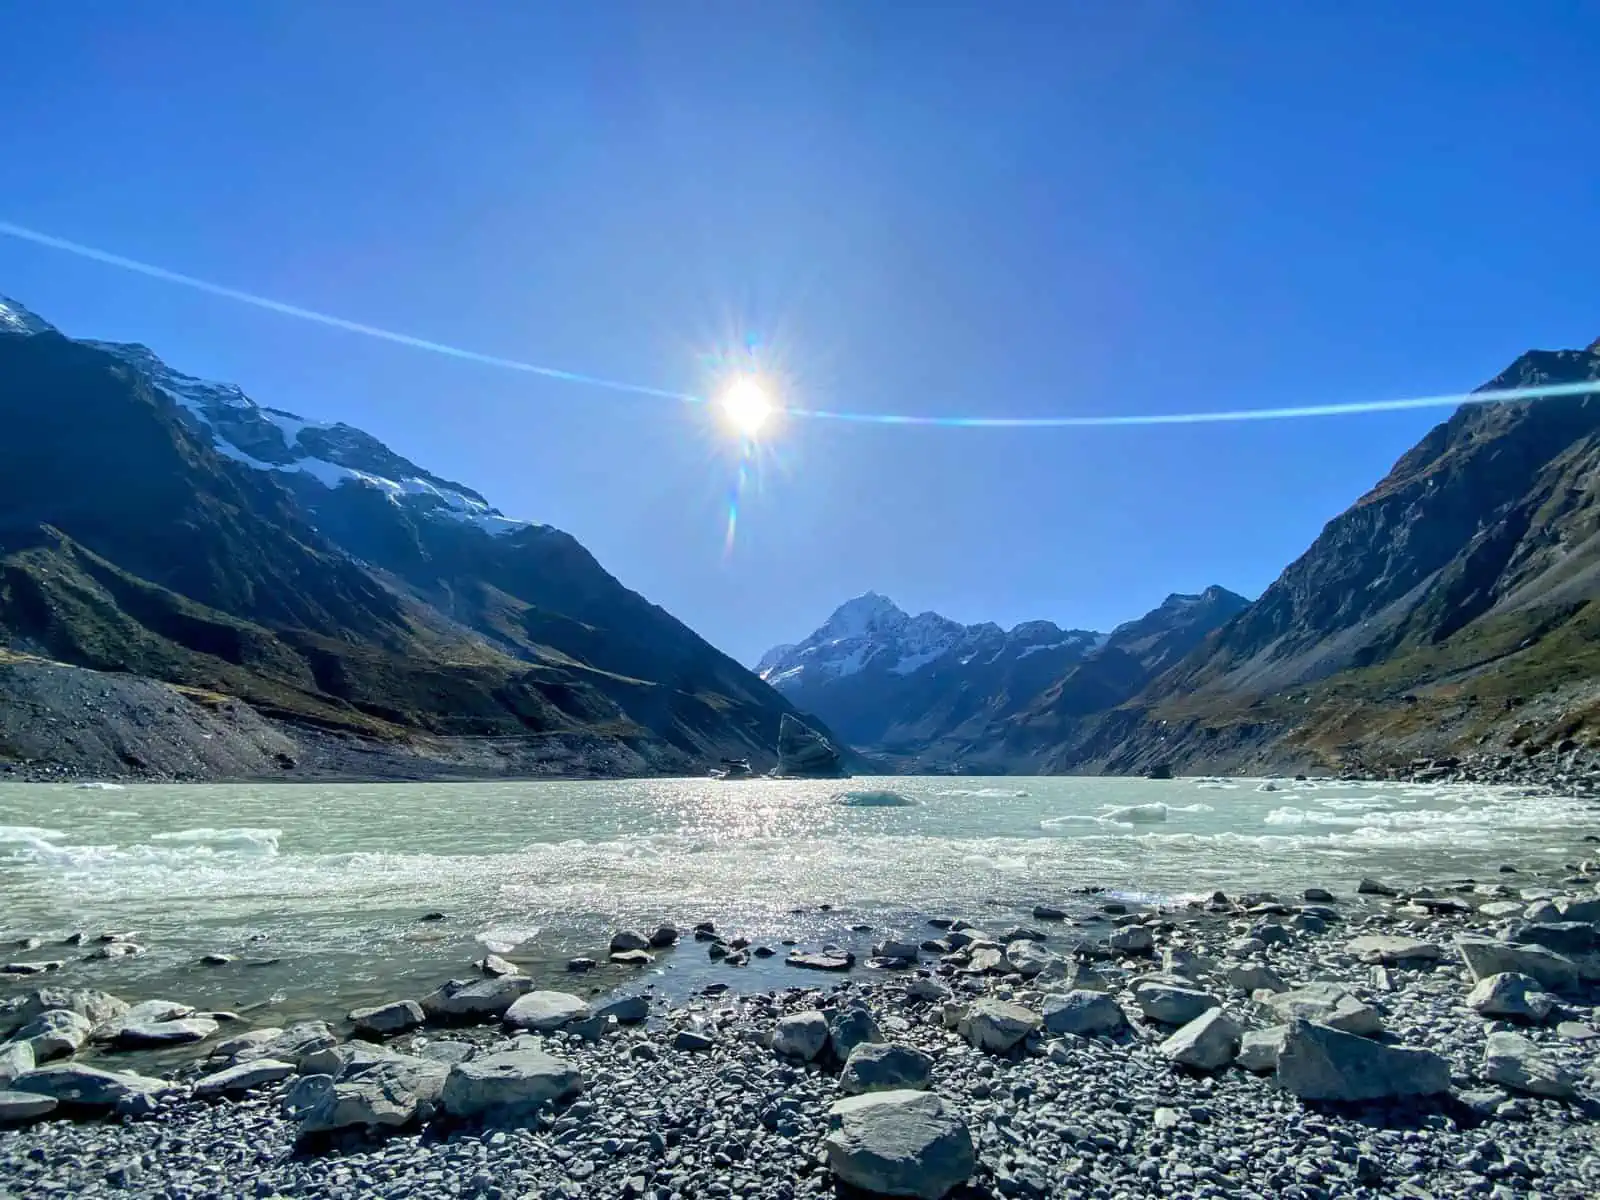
1375 1041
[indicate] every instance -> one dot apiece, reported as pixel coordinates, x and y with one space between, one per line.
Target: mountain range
1452 607
308 600
924 692
196 585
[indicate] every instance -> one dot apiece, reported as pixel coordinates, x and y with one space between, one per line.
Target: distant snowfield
206 403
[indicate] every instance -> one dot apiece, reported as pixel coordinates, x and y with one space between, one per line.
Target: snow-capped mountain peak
15 318
332 455
872 633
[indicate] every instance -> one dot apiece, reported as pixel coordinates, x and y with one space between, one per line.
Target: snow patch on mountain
14 318
274 440
872 632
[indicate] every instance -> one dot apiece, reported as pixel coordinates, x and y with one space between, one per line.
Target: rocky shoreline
1383 1042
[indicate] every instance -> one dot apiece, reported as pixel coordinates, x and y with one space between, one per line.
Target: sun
746 407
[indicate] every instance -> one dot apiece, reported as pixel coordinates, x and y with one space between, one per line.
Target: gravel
694 1102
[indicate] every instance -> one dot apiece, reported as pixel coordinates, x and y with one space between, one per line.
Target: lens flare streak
1088 421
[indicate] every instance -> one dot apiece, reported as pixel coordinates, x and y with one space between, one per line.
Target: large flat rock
545 1012
1318 1062
899 1143
508 1085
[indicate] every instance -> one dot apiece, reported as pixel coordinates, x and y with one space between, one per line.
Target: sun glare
746 407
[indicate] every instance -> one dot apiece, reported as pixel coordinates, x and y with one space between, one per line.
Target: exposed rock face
803 753
899 1143
1475 548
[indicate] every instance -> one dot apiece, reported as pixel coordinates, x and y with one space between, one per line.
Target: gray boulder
626 939
851 1028
899 1143
1250 978
243 1043
998 1025
881 1067
1207 1043
1132 939
1389 949
293 1044
95 1006
983 959
545 1012
146 1012
385 1094
147 1035
493 964
243 1077
1326 1003
1170 1004
304 1094
628 1010
1179 960
1579 908
821 962
801 1035
465 999
897 948
508 1085
1083 1013
1572 938
1516 1062
76 1086
803 753
54 1034
1259 1048
1511 996
18 1108
1318 1062
1028 958
16 1058
340 1061
382 1020
1485 957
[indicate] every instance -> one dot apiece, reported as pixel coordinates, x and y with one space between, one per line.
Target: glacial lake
317 891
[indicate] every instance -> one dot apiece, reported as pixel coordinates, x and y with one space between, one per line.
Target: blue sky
954 209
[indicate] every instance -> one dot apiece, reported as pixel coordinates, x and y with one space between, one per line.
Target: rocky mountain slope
921 691
160 526
1453 606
